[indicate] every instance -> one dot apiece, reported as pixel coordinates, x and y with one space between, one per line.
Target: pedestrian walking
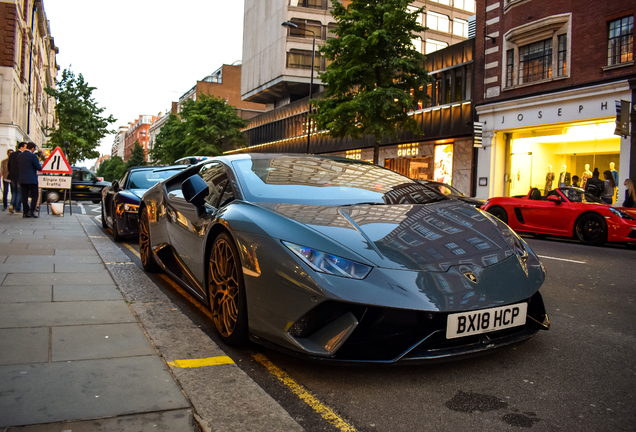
594 185
14 176
630 194
29 167
609 187
6 183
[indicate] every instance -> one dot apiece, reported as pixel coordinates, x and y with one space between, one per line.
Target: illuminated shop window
545 158
444 164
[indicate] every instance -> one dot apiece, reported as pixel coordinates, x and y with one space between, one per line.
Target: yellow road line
326 412
195 363
132 250
187 295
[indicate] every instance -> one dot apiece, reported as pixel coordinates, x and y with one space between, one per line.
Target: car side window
216 178
88 176
77 175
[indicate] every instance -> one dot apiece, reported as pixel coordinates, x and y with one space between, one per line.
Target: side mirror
555 199
195 189
116 186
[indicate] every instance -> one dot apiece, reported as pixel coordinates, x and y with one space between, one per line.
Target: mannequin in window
549 178
586 175
564 177
614 172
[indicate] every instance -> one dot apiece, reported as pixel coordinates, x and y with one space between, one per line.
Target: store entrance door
520 173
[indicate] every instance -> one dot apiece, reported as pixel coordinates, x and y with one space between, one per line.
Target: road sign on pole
57 163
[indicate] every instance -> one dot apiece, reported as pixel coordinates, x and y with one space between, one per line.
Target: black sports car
85 186
452 193
340 260
120 201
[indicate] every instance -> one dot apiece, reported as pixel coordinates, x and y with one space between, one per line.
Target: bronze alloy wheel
147 260
227 297
590 229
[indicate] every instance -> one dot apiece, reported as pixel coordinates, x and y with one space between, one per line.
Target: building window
314 4
434 45
439 22
467 5
444 2
304 28
510 66
460 27
620 44
331 28
535 61
562 63
300 59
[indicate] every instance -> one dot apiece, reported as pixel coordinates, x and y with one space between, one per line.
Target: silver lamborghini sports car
336 259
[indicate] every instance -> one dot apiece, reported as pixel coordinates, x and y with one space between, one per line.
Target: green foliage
137 157
376 76
112 169
202 129
79 118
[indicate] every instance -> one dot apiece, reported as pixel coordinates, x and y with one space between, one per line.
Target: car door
187 225
546 216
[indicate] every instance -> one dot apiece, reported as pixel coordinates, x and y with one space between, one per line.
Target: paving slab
27 268
74 252
64 313
24 345
32 393
99 342
68 293
167 421
52 259
78 268
54 234
21 249
63 240
24 294
95 278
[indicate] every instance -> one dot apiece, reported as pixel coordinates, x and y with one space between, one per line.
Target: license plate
486 320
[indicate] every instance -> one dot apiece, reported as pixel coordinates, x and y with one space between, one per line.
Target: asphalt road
579 376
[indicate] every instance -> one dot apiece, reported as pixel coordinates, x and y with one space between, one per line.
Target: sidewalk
85 338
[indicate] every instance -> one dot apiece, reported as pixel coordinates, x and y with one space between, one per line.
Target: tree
376 76
79 118
202 128
112 169
137 157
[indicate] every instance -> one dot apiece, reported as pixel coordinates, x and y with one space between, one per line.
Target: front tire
104 224
591 229
499 213
145 246
113 214
226 291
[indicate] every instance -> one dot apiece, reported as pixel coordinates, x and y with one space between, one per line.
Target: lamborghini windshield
319 180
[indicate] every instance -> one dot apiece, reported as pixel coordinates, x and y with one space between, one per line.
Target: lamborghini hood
431 237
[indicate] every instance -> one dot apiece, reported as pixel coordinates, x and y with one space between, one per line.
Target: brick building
138 131
547 75
224 83
27 67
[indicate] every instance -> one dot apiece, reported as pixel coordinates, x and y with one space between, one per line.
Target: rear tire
226 291
591 229
499 213
145 246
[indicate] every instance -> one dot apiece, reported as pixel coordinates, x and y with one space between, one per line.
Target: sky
142 55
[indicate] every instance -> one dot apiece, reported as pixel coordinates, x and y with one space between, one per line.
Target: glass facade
549 157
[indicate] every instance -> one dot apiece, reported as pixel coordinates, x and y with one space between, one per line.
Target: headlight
621 214
131 208
327 263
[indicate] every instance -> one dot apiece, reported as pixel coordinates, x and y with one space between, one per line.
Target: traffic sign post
57 163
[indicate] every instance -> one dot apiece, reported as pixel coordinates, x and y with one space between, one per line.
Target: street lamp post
311 80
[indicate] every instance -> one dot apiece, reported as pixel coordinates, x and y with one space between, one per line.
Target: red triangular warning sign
56 163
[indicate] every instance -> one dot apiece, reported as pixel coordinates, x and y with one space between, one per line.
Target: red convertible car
567 212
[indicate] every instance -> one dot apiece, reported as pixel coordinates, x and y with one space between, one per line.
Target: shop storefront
551 140
447 161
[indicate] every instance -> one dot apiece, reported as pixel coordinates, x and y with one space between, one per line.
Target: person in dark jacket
595 185
630 194
29 167
14 177
6 183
